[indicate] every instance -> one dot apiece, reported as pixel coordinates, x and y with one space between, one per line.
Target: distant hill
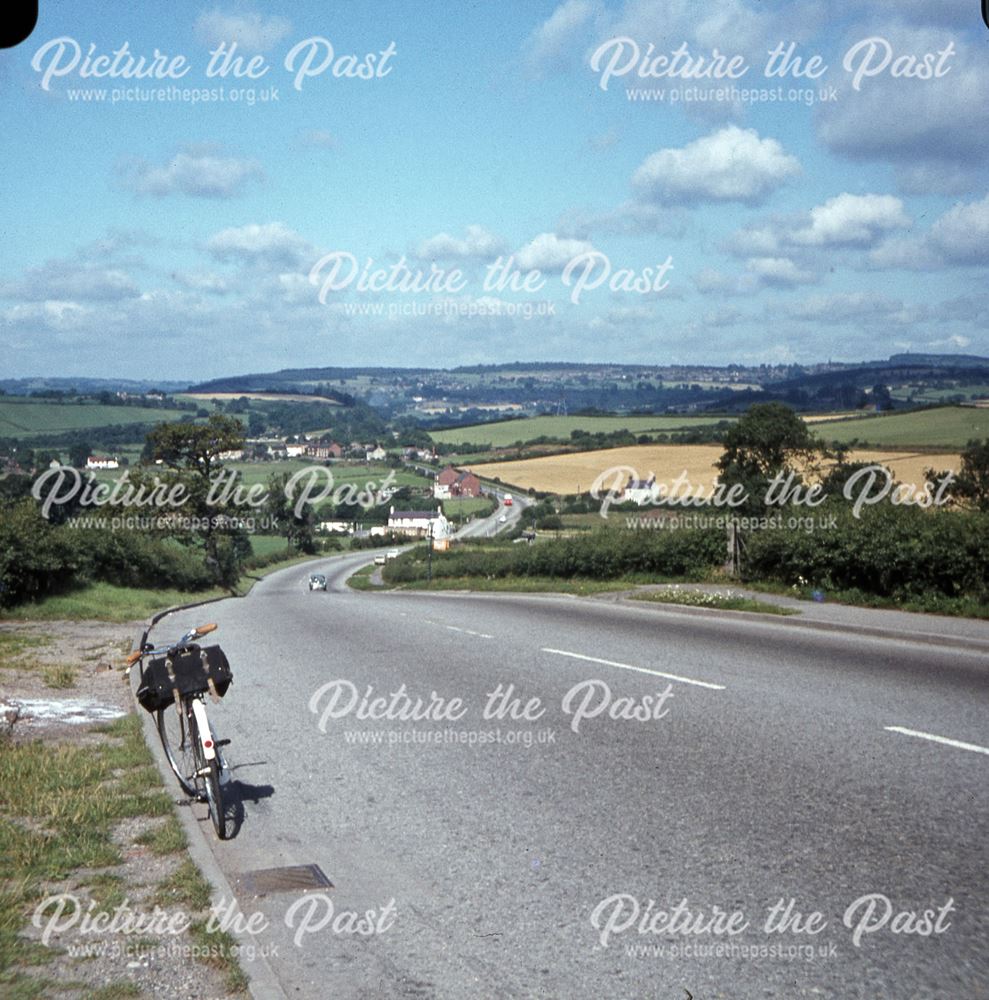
939 360
913 379
297 378
25 386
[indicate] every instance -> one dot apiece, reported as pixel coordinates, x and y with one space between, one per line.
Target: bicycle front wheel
214 796
177 731
208 778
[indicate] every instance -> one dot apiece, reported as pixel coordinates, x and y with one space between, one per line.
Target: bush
605 554
889 551
35 558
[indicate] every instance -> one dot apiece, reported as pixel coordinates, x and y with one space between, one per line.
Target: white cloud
193 171
202 281
732 164
851 307
846 221
250 30
70 280
760 241
52 314
549 252
725 316
955 13
731 25
906 253
477 244
270 243
713 282
932 131
558 37
959 237
851 219
779 271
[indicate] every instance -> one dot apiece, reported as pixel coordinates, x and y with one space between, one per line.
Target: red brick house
453 482
325 451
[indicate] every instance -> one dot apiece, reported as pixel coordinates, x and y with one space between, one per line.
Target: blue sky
176 239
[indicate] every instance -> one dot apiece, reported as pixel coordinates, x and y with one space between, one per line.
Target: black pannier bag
188 672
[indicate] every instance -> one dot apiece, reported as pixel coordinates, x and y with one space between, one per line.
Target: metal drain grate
293 878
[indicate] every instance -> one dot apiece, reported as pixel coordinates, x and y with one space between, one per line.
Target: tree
299 532
768 440
256 423
191 451
78 453
194 447
972 482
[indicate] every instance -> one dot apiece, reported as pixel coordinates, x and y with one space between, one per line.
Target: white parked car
391 554
379 559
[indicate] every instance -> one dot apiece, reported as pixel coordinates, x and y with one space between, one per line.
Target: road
484 527
534 865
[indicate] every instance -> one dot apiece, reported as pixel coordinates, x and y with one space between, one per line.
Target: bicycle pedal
221 743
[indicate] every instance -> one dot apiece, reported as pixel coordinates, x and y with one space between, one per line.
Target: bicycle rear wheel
178 738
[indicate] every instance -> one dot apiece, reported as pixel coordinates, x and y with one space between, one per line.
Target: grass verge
522 584
361 580
932 604
220 948
59 806
14 647
718 602
106 602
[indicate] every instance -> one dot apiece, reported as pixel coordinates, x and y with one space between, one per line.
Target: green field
503 433
268 545
946 427
258 472
22 417
461 507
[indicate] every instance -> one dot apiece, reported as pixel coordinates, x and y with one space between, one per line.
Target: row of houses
410 523
321 450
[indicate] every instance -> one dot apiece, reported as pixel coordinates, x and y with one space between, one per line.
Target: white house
295 450
419 523
378 454
336 527
98 462
640 491
234 455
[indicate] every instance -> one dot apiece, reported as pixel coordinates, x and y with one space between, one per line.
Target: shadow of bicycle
237 796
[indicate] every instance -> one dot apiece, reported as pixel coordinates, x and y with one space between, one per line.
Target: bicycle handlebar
146 647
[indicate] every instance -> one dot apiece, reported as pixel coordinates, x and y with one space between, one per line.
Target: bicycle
173 688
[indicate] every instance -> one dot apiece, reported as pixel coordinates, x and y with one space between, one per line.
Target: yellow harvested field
823 418
282 397
577 472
